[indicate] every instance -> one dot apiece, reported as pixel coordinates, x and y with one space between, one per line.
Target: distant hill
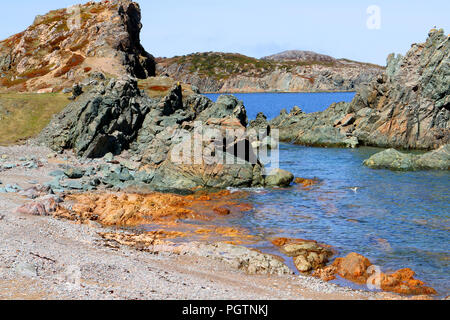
289 71
300 56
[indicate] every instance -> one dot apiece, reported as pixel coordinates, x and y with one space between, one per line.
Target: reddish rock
42 207
306 182
353 267
222 211
403 282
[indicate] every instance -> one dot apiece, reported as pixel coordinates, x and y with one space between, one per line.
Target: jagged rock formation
407 107
66 45
164 134
233 73
315 129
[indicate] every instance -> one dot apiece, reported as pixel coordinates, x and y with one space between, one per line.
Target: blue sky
263 27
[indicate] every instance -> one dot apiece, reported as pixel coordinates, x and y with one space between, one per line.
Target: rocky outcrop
65 46
181 142
357 268
407 107
316 129
234 73
105 119
394 160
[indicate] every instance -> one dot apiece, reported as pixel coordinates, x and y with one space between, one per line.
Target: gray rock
74 173
394 160
279 178
26 269
57 173
109 157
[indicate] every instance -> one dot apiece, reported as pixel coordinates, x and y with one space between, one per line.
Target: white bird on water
355 189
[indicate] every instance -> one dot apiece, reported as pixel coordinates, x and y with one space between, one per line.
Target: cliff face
64 46
407 107
234 73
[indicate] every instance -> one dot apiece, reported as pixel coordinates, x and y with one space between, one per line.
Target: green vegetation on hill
24 115
224 65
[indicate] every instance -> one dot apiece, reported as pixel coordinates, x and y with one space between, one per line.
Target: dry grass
23 116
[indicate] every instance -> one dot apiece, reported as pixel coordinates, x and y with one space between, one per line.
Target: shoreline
281 92
39 252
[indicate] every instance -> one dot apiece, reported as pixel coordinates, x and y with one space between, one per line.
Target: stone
394 160
57 173
357 268
308 255
109 157
44 206
279 178
74 173
12 188
353 267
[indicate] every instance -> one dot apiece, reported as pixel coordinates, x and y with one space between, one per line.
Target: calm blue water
397 220
272 103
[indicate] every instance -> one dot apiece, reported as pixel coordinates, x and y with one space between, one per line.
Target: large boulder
279 178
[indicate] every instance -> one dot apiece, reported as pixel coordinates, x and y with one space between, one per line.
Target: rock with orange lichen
326 274
222 211
353 267
127 209
308 255
403 282
306 183
120 209
357 268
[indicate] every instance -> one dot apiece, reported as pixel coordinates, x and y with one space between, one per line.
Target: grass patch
23 116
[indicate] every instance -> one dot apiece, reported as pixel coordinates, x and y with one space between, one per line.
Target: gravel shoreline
46 258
